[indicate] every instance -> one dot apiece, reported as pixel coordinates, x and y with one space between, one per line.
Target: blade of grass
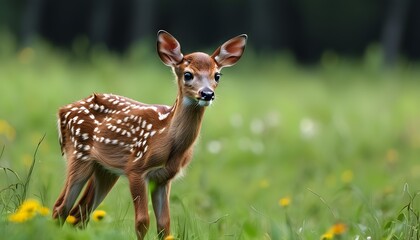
31 169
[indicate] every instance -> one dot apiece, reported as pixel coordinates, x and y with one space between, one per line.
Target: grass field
286 152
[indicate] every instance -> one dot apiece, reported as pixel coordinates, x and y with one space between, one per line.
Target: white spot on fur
85 136
140 155
163 116
161 130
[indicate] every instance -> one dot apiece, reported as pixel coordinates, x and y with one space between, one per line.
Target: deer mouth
197 101
204 103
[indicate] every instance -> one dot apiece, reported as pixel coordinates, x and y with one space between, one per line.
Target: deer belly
116 171
113 159
163 174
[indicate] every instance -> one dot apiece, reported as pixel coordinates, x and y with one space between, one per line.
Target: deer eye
188 76
217 77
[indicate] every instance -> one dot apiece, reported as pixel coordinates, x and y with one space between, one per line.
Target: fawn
105 136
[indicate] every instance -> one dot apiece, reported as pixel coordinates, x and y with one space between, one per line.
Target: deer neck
186 123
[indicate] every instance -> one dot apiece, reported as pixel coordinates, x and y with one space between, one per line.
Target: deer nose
206 94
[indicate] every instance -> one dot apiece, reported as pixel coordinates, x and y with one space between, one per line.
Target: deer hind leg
96 190
78 174
60 199
81 210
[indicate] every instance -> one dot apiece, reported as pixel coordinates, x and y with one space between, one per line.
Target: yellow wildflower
28 210
169 237
98 215
19 217
7 130
347 176
27 160
327 236
392 156
30 206
285 201
43 211
71 219
264 183
338 228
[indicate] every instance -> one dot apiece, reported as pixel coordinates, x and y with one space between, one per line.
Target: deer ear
230 52
168 48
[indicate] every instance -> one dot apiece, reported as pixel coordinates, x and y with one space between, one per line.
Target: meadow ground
286 152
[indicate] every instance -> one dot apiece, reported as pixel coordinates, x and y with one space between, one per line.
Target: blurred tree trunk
411 46
99 25
141 21
260 24
393 30
31 20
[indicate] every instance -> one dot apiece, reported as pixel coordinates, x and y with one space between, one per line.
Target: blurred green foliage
340 139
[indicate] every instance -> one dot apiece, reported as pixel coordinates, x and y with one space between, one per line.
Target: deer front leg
138 188
160 200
